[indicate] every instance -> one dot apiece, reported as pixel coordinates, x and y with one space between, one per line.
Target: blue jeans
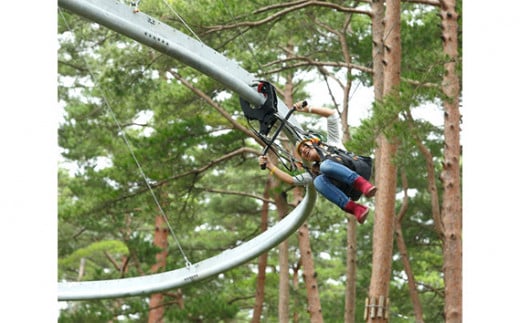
323 184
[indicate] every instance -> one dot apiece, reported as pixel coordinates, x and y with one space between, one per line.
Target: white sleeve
302 179
334 131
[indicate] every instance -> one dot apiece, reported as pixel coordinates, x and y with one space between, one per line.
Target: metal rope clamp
265 113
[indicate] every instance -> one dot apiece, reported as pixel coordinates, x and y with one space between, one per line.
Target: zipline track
151 32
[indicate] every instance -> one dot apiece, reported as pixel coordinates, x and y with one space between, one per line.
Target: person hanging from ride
331 177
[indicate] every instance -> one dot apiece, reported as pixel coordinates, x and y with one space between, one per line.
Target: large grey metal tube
70 291
151 32
148 31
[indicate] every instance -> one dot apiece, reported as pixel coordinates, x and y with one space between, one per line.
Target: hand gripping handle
266 148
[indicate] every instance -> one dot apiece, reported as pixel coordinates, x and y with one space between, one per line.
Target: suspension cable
241 36
182 20
127 143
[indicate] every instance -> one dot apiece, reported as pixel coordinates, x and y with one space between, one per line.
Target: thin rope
123 135
241 36
143 175
182 20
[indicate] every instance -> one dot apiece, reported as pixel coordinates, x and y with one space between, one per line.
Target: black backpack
360 164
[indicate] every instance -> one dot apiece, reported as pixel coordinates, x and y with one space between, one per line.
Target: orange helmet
313 140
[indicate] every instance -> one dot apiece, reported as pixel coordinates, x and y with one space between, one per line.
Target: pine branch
196 171
289 7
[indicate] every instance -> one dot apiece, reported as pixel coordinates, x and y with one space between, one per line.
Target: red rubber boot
364 187
358 210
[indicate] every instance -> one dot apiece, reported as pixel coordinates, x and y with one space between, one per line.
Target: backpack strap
360 164
320 147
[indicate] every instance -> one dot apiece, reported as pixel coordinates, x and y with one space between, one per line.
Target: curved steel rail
151 32
209 267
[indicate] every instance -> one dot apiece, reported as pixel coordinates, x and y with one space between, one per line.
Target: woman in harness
331 178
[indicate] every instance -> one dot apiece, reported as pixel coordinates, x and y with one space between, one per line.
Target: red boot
358 210
364 187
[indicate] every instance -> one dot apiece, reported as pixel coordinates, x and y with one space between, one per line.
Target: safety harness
360 164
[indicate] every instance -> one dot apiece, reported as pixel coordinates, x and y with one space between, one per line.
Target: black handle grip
266 148
304 104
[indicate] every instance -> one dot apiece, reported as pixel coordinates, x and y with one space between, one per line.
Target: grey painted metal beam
150 32
155 34
204 269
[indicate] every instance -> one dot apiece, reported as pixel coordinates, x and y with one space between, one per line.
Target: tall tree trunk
378 29
452 201
262 263
351 249
309 275
283 258
378 301
295 281
304 241
350 287
282 207
401 246
430 171
307 262
156 312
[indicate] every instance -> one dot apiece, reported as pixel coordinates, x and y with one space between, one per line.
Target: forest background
31 202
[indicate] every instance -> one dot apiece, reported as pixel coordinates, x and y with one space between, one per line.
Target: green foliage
110 86
95 253
205 308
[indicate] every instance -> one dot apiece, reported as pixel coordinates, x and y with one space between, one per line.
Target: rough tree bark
430 172
403 251
350 286
378 302
378 28
296 285
351 249
304 241
283 256
309 275
156 312
262 263
451 212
